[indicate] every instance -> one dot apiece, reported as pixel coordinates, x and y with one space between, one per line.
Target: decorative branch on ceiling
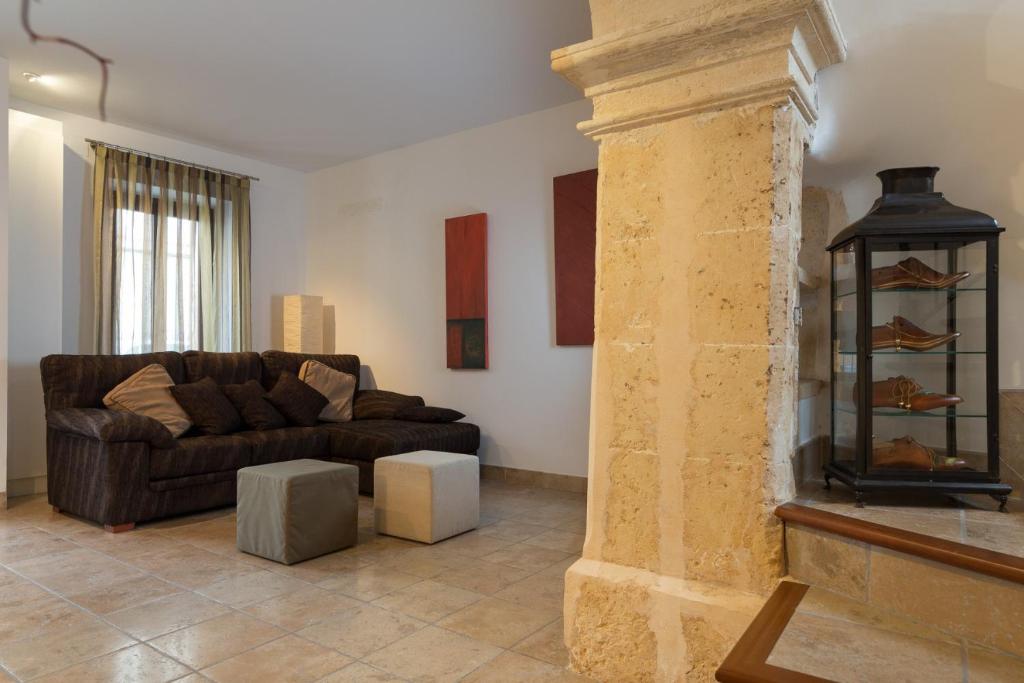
104 62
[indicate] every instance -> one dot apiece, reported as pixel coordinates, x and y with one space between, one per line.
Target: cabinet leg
860 497
828 483
1001 499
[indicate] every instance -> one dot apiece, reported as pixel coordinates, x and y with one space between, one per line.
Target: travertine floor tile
136 664
119 593
60 645
473 544
433 654
528 557
540 591
547 644
74 571
25 609
986 666
510 667
482 577
285 660
840 650
427 600
564 541
513 531
317 569
24 543
192 567
215 640
425 562
362 630
368 583
499 622
299 609
251 588
162 616
358 672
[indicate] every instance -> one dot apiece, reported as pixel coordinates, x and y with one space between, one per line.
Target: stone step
806 634
964 591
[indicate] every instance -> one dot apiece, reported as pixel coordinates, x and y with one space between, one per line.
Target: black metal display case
914 293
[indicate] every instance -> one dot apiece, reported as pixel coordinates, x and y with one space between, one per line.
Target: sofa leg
56 510
118 528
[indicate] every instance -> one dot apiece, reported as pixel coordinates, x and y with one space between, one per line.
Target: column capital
711 55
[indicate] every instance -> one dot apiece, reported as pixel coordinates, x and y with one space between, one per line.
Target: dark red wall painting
465 252
575 244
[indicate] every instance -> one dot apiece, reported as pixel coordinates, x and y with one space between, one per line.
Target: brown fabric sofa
118 468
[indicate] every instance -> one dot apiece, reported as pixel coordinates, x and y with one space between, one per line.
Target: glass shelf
917 353
915 289
891 412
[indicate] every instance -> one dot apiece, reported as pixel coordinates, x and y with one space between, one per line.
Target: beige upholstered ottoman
426 496
293 511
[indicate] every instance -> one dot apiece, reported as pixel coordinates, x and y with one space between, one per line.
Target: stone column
702 110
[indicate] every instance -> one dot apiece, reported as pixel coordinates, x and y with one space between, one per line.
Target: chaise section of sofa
119 468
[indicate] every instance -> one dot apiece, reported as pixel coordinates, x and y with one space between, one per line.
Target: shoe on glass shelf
903 334
914 274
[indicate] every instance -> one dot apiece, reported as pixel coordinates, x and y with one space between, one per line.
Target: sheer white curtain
172 246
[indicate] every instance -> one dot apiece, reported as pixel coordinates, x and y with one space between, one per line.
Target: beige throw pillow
148 392
338 387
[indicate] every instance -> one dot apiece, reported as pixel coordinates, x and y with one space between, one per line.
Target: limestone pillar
702 110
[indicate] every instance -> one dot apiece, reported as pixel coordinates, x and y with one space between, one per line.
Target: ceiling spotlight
31 77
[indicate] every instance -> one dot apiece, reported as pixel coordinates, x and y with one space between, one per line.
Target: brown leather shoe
906 394
902 454
911 272
903 334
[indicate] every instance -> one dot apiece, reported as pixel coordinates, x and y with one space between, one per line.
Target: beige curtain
172 245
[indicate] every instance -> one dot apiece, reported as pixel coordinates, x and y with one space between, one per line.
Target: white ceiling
305 84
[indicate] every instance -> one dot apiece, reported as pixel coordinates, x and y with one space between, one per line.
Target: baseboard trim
543 480
26 486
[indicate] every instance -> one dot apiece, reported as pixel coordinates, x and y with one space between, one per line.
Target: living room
501 341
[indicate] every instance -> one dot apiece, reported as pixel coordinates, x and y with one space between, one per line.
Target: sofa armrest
110 425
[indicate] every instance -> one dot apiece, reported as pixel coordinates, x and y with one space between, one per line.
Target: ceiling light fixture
32 77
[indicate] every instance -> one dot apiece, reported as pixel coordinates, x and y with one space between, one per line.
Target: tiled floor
836 638
973 520
175 600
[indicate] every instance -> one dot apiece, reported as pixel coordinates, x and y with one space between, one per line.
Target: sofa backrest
82 381
223 368
276 362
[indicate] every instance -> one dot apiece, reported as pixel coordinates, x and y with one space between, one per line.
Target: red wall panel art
575 244
465 251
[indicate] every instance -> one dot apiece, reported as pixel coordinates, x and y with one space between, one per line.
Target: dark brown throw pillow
296 400
261 416
250 400
209 409
374 404
428 414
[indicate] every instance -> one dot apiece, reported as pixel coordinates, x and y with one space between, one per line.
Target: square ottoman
299 509
426 496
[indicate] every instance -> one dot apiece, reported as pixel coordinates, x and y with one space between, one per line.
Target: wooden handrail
980 560
747 662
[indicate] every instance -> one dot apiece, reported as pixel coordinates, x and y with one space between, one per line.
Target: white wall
34 310
376 252
3 287
934 83
279 215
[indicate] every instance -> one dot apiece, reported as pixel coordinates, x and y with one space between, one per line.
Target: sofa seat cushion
199 455
290 443
368 440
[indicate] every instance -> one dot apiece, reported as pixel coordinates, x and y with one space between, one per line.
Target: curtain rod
141 153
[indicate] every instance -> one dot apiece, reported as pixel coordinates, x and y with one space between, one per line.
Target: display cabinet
914 292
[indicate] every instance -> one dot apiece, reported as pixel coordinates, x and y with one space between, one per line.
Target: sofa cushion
148 392
337 386
368 440
250 399
222 368
428 414
296 400
207 406
375 404
290 443
82 381
276 362
199 455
